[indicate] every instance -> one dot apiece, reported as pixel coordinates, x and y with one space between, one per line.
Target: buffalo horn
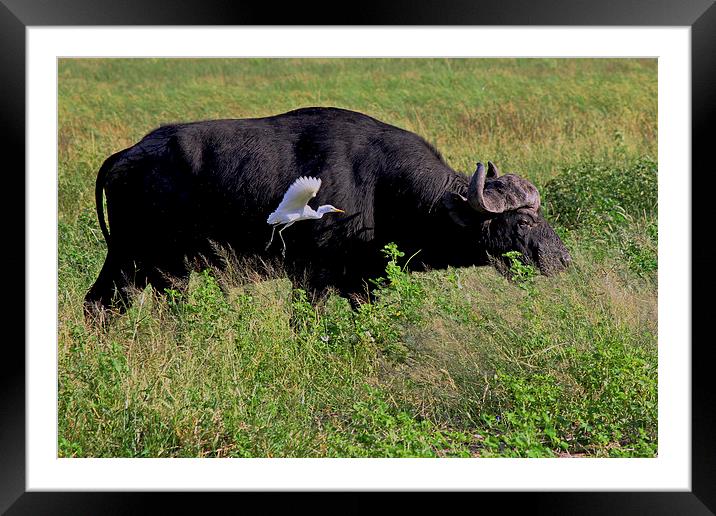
503 193
476 192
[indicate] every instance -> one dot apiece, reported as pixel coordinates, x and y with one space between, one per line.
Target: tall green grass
456 362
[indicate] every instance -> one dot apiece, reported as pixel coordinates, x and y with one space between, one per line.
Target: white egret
294 207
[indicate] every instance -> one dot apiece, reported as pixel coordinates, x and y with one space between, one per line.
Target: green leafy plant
609 208
375 428
602 194
523 274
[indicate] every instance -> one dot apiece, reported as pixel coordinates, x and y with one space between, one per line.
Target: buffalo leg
110 289
169 277
357 293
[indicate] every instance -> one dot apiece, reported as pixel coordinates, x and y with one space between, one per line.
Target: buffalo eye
523 223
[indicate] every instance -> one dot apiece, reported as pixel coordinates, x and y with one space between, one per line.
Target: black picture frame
17 15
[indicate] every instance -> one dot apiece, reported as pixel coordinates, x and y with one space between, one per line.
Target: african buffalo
185 186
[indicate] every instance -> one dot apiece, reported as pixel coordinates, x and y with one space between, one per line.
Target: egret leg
271 240
283 252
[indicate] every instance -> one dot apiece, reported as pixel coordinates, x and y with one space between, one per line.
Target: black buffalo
186 187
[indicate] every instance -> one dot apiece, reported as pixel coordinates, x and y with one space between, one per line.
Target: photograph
279 257
428 249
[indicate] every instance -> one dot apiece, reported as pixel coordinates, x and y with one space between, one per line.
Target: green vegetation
610 207
449 363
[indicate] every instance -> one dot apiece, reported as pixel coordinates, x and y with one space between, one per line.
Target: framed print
167 350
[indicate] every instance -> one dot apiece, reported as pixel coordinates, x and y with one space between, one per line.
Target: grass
448 363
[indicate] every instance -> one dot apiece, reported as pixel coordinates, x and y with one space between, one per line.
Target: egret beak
340 211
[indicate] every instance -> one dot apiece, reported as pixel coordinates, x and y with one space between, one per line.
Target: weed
610 209
523 274
375 428
602 194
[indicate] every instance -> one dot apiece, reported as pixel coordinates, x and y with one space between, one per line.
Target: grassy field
450 363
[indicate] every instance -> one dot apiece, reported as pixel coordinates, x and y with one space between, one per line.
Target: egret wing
298 194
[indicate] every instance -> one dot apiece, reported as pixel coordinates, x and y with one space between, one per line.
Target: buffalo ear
459 209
